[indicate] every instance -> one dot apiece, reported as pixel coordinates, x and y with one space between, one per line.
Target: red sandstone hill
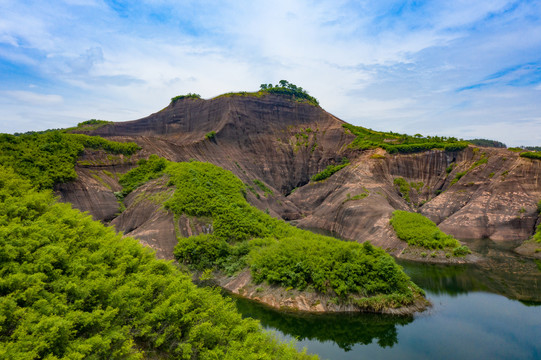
283 143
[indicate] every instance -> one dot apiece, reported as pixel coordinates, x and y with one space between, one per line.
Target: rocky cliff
274 145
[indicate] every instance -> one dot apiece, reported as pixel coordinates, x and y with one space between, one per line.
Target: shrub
418 230
404 188
187 96
400 143
210 135
330 170
147 170
49 158
531 155
461 251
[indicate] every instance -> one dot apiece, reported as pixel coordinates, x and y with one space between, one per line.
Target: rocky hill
275 145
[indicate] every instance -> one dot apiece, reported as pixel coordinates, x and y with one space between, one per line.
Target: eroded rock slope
274 145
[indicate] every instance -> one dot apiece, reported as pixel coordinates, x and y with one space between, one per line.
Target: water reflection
345 330
468 321
502 272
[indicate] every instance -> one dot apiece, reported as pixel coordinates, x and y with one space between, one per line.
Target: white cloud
29 97
364 63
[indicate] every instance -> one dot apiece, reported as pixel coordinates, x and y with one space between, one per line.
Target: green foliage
284 87
418 230
400 143
330 170
72 288
274 251
487 143
263 187
458 176
356 197
49 158
210 135
481 161
461 251
147 170
531 155
404 187
187 96
515 149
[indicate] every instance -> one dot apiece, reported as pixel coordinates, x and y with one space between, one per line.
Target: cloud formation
434 67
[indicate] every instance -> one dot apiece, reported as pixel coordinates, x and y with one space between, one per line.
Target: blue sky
456 68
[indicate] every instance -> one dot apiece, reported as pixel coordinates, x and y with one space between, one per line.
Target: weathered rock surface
474 193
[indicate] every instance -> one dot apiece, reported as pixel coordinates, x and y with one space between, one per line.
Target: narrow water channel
491 310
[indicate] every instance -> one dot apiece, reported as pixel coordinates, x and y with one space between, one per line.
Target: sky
468 69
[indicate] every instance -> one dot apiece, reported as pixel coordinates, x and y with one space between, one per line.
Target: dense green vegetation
400 143
531 155
294 92
330 170
187 96
417 230
145 171
210 135
275 252
286 88
73 288
49 158
487 143
88 125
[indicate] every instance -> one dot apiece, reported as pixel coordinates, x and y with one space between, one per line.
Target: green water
490 310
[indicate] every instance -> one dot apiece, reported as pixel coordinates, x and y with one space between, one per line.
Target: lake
490 310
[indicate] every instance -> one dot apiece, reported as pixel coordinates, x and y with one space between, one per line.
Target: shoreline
293 300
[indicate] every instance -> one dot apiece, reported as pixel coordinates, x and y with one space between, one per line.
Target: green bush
404 187
418 230
72 288
531 155
147 170
330 170
461 251
49 158
210 135
187 96
400 143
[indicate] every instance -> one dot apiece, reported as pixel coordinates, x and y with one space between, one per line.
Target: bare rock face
474 193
